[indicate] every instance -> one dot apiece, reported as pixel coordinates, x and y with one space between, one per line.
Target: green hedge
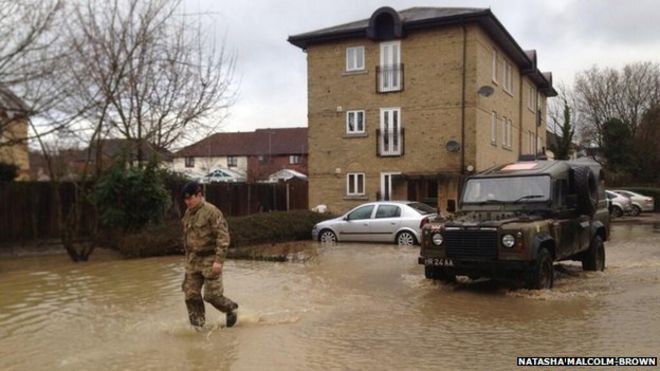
648 191
263 228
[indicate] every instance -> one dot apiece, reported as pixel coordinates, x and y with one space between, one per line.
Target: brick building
402 105
13 132
255 154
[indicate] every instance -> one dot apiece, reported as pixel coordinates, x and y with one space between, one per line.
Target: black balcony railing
389 78
390 145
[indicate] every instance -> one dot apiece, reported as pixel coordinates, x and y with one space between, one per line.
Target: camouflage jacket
205 231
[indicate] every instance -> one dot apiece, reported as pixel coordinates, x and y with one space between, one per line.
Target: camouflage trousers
199 274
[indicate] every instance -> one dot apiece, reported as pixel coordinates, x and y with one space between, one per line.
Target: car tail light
423 222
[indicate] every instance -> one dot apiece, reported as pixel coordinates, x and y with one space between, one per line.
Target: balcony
391 144
389 78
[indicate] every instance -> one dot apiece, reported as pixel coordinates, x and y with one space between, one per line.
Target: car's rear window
422 208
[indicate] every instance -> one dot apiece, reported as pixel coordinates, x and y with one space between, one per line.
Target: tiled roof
260 142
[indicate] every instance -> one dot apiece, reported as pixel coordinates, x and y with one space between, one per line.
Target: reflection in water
351 306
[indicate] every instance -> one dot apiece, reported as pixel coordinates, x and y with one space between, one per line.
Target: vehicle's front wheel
636 210
617 212
327 236
405 238
594 258
541 275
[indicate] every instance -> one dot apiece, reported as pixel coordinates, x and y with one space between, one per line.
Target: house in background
403 105
13 132
255 154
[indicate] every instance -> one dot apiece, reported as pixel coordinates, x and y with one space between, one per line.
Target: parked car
383 221
619 204
639 202
222 175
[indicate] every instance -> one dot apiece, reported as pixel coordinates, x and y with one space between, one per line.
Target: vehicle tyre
594 258
327 236
636 210
541 276
586 189
405 238
617 212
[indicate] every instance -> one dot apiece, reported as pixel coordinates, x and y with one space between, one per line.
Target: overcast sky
568 35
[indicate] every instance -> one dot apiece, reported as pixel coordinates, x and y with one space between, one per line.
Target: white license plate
439 261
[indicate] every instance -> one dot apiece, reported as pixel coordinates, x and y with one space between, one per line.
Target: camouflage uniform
206 239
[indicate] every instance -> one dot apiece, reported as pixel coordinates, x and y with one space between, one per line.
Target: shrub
153 240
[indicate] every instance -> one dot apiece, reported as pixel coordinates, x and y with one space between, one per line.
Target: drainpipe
463 100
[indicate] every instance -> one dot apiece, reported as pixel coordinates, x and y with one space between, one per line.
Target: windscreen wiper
527 197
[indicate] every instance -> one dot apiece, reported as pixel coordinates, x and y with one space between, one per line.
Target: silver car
383 221
639 202
620 204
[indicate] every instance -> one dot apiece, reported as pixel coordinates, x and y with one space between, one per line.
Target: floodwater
352 306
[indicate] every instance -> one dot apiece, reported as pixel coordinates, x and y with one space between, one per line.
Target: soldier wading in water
205 239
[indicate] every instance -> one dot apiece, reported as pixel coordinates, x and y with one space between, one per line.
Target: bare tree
146 72
602 94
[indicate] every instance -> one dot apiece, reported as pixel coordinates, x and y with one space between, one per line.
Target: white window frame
386 185
387 131
531 142
531 104
390 81
354 179
493 128
509 134
506 132
295 159
189 161
507 77
232 161
353 60
356 114
494 66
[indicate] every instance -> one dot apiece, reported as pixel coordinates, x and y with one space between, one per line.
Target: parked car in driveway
619 204
383 221
639 202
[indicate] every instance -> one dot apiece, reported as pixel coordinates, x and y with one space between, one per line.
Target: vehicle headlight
508 240
437 239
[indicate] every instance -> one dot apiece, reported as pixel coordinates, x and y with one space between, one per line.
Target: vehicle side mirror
451 206
345 218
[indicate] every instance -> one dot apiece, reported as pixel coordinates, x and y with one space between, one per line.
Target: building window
506 132
531 142
355 184
390 139
390 71
355 58
507 77
190 161
495 65
294 159
263 159
531 103
493 128
354 122
232 161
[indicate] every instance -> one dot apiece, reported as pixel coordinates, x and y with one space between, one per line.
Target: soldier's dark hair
191 189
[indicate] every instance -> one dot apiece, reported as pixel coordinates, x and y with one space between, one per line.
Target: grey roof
431 17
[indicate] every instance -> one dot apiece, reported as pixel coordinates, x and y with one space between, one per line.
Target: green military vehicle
515 220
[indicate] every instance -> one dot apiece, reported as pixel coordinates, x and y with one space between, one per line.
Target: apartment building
404 104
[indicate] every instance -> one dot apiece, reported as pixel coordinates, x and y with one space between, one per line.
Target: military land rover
515 220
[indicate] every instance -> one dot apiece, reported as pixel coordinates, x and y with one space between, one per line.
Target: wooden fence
28 211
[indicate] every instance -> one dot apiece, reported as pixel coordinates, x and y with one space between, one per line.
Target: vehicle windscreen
422 208
507 189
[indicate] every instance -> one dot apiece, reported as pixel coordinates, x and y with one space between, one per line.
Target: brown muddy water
352 306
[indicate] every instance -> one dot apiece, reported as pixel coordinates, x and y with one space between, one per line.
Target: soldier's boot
196 313
227 306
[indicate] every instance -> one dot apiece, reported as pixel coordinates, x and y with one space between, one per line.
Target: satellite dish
453 146
486 91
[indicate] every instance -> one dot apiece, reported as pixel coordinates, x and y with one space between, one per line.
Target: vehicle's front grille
471 243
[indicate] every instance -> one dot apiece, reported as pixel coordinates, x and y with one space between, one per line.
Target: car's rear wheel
617 212
541 275
405 238
327 236
594 258
636 210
